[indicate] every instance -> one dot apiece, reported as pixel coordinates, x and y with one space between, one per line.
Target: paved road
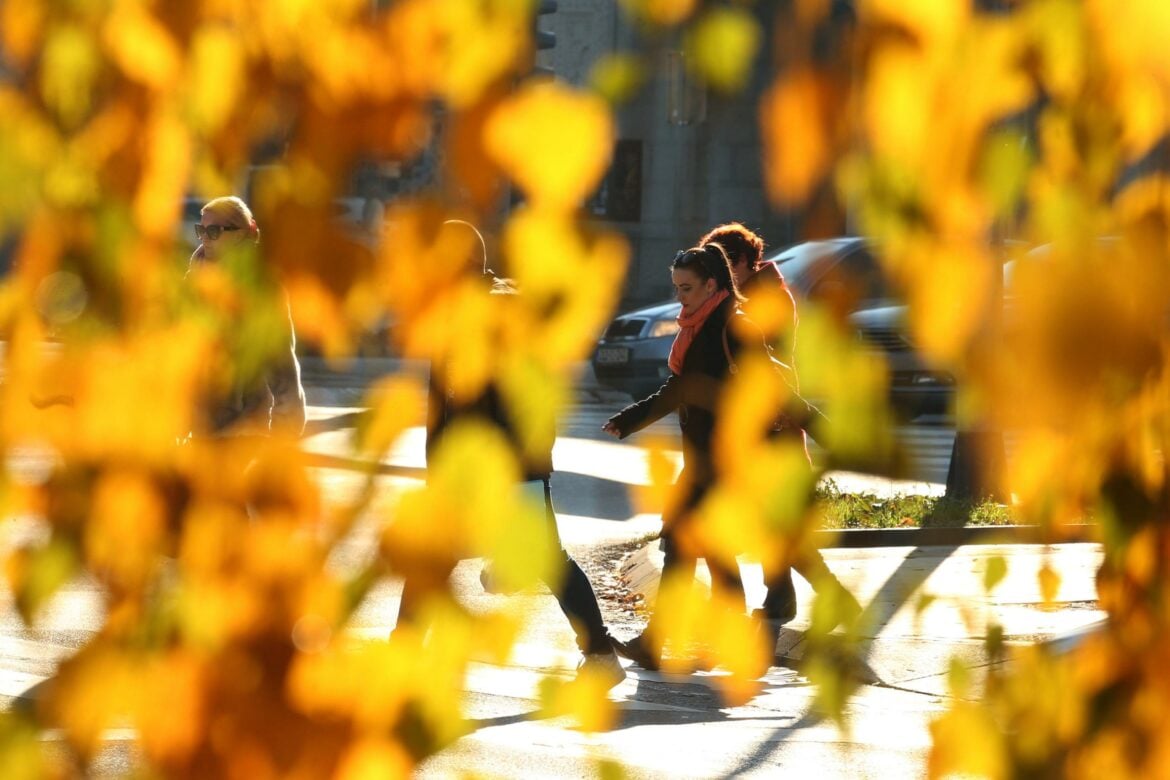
668 726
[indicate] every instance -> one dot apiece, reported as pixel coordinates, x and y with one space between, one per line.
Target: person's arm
288 394
642 413
744 339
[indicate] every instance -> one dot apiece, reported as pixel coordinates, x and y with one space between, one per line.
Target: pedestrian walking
770 304
699 367
574 593
271 399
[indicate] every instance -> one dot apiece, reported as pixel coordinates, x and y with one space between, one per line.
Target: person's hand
611 429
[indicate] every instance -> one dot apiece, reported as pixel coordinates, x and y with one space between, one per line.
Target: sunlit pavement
668 726
675 726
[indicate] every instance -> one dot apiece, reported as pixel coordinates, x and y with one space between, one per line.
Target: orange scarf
689 326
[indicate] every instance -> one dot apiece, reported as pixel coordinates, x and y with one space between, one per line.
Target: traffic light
543 39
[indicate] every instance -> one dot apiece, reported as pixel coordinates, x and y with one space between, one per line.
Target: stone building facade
684 177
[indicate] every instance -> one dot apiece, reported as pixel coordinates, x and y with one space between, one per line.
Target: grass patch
867 510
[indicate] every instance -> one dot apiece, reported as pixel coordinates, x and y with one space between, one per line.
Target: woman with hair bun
704 285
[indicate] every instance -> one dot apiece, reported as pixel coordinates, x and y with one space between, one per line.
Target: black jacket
490 407
694 392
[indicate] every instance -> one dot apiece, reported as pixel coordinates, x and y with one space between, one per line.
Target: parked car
631 355
915 388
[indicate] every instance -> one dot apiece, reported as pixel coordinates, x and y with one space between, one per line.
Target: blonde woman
273 400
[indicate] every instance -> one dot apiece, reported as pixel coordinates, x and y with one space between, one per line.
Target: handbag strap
731 367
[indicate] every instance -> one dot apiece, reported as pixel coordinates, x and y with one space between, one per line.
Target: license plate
611 355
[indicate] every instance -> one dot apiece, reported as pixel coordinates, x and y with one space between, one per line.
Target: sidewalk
344 382
925 605
672 726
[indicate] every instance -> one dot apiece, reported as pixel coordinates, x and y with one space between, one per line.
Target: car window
853 278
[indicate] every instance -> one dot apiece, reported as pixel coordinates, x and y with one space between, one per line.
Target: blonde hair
235 211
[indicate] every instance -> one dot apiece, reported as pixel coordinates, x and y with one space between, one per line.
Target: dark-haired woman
698 361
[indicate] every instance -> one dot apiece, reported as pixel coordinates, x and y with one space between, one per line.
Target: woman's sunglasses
212 232
689 257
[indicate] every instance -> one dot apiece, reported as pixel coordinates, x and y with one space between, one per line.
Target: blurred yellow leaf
167 152
994 573
1133 36
375 759
36 573
215 76
966 743
958 679
425 534
662 466
950 299
171 712
367 682
796 152
897 112
727 525
460 48
439 678
663 13
851 383
139 396
1049 580
1141 556
566 302
141 45
556 164
22 23
91 692
70 66
496 634
278 550
692 623
584 699
474 506
1062 40
319 317
934 24
523 551
617 76
461 333
683 607
125 533
749 406
534 397
395 404
216 611
1144 107
736 645
724 43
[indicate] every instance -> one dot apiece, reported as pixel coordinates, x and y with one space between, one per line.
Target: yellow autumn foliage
950 134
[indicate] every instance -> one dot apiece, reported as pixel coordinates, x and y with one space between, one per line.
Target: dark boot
638 650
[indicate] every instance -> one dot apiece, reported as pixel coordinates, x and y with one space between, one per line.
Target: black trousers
780 596
688 493
575 594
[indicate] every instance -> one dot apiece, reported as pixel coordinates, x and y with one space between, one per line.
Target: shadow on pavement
324 461
589 496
